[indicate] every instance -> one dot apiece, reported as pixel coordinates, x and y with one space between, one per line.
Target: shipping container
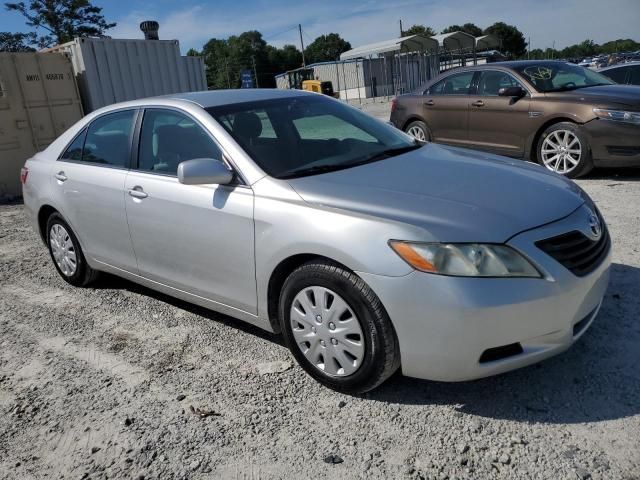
39 100
115 70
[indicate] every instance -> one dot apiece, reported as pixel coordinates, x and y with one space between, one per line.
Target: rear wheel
336 328
66 253
419 130
564 149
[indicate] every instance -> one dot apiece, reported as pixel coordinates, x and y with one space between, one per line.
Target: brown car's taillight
394 104
24 172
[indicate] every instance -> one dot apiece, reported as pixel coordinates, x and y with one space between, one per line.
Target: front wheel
336 328
564 149
418 130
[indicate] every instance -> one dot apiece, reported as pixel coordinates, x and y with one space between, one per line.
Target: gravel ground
116 381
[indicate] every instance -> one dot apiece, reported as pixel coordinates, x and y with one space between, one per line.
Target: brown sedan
565 117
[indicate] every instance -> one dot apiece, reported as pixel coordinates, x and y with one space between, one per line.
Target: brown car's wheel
66 253
336 328
418 130
564 149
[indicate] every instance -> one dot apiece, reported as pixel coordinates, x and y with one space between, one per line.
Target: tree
192 52
419 30
470 28
513 42
16 42
326 48
62 19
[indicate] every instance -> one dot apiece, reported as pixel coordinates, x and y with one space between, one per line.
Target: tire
379 356
553 139
60 237
418 129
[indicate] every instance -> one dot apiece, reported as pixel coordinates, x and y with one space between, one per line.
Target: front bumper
613 144
445 324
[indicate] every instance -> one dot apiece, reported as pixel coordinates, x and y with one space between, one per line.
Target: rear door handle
138 192
61 176
478 103
429 103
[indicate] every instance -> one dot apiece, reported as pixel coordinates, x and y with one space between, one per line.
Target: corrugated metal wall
38 101
115 70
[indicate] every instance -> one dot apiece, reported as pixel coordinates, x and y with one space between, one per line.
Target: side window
634 76
618 75
108 139
325 127
74 151
491 81
456 84
168 138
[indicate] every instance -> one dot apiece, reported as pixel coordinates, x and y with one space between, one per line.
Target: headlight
618 115
465 259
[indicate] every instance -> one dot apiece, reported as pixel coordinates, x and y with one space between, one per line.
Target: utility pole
401 27
226 69
304 63
255 72
529 49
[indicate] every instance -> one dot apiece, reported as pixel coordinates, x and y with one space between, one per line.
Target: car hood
628 95
453 194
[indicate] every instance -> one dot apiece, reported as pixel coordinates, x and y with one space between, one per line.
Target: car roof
214 98
619 65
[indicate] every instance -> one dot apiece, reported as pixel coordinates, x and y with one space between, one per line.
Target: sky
193 22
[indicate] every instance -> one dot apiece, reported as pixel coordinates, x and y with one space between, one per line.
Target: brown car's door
498 124
445 108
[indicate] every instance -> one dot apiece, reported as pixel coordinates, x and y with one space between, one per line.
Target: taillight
24 173
394 104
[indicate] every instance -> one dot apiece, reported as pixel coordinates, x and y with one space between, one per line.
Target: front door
445 108
498 124
196 238
89 182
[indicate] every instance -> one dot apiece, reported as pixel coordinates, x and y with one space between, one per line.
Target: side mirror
517 92
201 171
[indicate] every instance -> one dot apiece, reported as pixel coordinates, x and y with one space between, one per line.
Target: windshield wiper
390 152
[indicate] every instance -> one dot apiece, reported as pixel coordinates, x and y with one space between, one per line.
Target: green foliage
470 28
586 48
419 30
16 42
62 19
513 42
326 48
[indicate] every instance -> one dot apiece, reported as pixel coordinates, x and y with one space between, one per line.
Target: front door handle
138 192
61 176
429 103
478 103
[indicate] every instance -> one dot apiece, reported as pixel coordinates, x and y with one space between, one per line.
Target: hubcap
327 331
417 133
64 253
561 151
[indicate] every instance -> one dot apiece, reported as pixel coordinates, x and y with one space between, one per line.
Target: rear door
445 108
498 124
195 238
89 180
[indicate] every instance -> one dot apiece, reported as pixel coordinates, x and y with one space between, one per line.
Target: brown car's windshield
558 77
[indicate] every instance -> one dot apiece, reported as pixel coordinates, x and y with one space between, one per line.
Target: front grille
576 251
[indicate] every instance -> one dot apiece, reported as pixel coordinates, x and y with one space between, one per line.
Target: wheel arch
44 213
413 118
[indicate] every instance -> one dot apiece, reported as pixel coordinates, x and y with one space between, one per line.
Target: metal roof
487 42
455 41
411 43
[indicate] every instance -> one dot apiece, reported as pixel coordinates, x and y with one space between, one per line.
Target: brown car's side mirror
517 92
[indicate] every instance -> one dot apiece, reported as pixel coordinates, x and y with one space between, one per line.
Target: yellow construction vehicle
319 86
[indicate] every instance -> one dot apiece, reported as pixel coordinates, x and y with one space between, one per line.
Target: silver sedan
292 211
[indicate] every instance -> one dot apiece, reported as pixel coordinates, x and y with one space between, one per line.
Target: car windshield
559 77
307 135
